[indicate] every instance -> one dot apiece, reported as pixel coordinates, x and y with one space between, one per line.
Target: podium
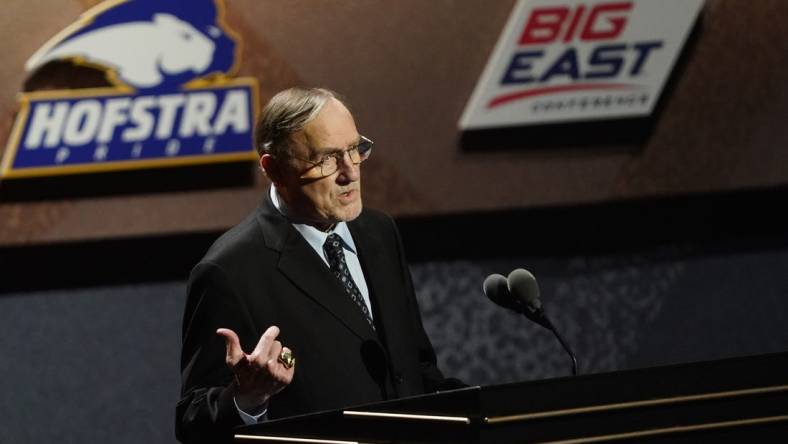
729 400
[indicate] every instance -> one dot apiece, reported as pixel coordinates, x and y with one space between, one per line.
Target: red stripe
500 100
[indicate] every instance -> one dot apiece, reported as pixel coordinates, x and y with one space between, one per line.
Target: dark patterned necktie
336 260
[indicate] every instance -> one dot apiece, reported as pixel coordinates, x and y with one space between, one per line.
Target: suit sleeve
206 412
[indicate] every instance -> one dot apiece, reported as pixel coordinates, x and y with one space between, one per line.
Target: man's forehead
333 127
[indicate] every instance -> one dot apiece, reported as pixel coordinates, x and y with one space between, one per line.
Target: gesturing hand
258 375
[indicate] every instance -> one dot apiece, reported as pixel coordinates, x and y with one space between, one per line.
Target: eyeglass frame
339 155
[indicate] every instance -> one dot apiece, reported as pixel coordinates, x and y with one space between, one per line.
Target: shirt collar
312 235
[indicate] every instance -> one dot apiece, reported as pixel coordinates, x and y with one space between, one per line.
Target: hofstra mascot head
146 44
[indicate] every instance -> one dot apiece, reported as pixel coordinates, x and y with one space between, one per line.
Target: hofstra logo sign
571 60
173 100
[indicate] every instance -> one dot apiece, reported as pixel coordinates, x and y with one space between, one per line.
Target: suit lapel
307 271
378 274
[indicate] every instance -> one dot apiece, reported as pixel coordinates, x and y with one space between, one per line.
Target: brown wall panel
407 69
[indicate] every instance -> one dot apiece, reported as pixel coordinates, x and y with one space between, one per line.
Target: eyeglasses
329 164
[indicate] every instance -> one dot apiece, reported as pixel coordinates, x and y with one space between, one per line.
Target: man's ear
270 167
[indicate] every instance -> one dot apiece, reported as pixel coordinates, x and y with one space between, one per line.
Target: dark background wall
663 244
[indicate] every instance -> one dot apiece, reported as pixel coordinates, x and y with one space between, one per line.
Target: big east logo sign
560 61
173 100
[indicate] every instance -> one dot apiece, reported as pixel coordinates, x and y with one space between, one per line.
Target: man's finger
264 344
273 352
234 352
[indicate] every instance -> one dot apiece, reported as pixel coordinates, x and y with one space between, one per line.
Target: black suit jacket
262 273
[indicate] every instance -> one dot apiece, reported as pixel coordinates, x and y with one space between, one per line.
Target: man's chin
352 211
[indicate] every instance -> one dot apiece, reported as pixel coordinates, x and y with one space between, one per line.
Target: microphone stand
537 315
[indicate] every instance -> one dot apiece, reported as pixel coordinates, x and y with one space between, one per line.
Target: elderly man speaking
308 303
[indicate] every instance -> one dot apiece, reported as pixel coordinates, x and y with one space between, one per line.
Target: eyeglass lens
357 154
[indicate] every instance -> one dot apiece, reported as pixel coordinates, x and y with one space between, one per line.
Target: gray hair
287 113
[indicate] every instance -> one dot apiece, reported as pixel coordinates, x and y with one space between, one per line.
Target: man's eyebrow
356 143
332 150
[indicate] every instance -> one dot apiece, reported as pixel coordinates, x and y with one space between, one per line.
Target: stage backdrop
407 69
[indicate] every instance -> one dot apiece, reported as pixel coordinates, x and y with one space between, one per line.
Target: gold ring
287 359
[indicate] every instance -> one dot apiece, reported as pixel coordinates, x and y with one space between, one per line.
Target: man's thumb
233 345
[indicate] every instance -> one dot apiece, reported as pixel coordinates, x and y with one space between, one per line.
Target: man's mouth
348 195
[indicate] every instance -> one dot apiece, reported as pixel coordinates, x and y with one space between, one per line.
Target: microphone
496 288
520 293
523 287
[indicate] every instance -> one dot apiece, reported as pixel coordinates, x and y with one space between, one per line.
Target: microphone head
522 285
497 290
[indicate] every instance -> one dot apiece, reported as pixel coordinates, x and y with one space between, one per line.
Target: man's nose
347 169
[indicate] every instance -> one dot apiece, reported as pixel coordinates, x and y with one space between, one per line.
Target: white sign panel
571 60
